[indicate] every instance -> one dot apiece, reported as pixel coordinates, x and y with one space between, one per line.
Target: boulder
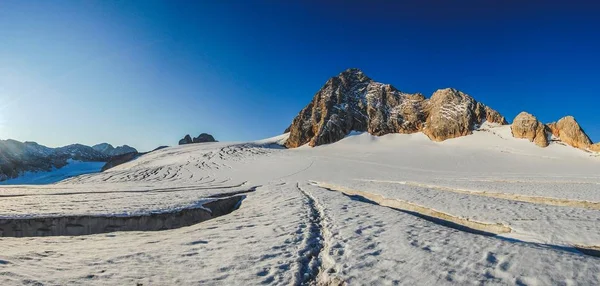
528 127
568 131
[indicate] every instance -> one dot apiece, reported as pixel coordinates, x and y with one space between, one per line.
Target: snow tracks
423 212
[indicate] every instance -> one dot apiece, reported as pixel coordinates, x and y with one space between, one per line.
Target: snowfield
72 169
396 209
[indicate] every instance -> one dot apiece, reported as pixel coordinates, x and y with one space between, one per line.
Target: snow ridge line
506 196
430 214
309 259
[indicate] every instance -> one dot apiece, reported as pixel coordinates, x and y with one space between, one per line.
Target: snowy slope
73 168
396 209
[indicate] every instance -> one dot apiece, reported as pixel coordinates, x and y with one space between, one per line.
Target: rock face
353 101
527 126
595 147
568 131
186 140
202 138
452 114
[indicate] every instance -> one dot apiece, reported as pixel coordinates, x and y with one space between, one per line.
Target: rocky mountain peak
109 150
187 139
202 138
353 74
353 101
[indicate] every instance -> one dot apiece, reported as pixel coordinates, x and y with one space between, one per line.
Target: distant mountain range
17 157
109 150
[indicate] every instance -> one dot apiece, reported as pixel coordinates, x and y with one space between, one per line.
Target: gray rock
203 138
186 140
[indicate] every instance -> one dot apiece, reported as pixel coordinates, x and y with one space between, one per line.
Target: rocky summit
109 150
202 138
352 101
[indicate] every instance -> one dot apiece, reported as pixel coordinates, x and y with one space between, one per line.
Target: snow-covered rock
109 150
452 113
353 101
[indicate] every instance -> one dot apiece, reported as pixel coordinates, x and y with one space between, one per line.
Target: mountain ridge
18 157
352 101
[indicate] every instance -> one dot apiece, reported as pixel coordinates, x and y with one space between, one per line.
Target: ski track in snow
289 231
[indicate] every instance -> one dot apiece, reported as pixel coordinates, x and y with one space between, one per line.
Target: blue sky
145 73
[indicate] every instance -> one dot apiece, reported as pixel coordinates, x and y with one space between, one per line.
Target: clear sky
145 73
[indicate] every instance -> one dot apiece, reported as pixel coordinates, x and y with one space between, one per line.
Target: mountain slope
18 158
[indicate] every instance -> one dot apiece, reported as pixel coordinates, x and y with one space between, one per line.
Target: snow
73 168
386 210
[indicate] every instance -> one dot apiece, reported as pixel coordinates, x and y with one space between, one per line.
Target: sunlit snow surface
303 225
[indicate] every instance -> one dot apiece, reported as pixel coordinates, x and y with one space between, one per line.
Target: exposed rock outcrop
202 138
527 126
452 114
568 131
186 140
595 147
353 101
